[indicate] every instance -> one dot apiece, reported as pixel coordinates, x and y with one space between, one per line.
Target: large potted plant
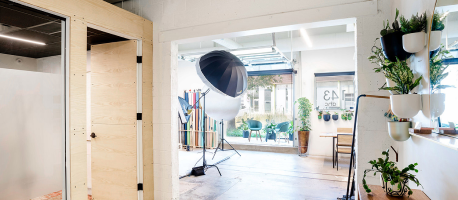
436 31
405 104
414 29
394 181
436 75
304 110
391 40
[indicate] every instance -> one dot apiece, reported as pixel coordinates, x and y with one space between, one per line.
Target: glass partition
32 120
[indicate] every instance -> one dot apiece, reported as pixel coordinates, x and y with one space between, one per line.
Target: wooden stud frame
103 16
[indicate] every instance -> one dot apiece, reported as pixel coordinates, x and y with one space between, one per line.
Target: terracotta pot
303 141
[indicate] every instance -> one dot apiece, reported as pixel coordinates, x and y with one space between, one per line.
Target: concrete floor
263 175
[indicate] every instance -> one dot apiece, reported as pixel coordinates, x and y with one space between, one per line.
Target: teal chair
282 128
254 125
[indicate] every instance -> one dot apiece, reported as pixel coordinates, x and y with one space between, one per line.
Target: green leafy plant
400 73
335 113
415 24
304 110
244 125
390 172
320 113
269 127
327 112
437 70
438 24
290 128
394 27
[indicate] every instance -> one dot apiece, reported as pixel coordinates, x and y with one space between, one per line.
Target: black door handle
93 135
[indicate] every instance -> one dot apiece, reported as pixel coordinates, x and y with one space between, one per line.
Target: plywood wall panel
147 119
77 107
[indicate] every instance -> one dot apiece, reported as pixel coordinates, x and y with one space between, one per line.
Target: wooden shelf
443 140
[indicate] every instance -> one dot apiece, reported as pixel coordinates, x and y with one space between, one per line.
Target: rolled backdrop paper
221 107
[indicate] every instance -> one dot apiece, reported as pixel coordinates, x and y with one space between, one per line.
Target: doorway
114 167
280 74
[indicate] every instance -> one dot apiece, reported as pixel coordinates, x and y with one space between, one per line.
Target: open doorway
32 103
282 67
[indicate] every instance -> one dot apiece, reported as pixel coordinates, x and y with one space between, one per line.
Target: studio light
23 40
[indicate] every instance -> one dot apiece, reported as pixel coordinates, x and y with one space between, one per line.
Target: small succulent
415 24
394 26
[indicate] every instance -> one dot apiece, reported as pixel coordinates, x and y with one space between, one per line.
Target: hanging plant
414 29
391 40
437 70
436 30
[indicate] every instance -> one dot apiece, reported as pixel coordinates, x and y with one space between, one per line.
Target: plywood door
114 108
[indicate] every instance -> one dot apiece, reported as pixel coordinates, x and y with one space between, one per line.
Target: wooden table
378 194
334 136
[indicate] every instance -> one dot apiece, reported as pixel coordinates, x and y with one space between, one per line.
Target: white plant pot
390 83
414 42
399 131
437 104
435 40
405 105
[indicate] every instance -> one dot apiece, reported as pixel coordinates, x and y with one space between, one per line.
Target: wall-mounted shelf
440 139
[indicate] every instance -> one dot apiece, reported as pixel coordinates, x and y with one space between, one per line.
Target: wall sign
332 91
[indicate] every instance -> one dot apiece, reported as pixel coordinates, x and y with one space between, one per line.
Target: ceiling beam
228 43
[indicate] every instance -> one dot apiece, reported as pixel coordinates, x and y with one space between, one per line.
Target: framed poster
334 91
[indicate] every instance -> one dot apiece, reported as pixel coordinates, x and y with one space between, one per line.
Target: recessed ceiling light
23 40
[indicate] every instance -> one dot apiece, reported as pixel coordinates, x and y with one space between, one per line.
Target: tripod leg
198 161
232 147
216 168
216 150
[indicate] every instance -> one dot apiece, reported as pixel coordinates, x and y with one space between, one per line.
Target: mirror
443 47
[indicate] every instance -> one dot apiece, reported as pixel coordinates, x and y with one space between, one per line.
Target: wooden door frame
109 18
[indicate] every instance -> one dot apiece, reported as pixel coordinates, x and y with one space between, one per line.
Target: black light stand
351 193
204 161
222 143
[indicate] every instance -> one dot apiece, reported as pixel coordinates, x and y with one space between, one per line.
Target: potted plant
391 40
399 130
270 132
304 110
379 58
335 116
244 128
320 114
326 116
414 38
349 114
436 75
291 131
343 116
394 181
436 31
405 104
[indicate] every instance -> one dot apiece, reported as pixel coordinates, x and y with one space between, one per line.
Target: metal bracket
140 186
139 116
139 59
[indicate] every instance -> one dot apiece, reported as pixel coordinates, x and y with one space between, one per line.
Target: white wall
31 136
320 61
187 78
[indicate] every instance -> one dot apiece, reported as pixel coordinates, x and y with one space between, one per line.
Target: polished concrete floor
263 175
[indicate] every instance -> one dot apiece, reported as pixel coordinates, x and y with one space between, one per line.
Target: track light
23 40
